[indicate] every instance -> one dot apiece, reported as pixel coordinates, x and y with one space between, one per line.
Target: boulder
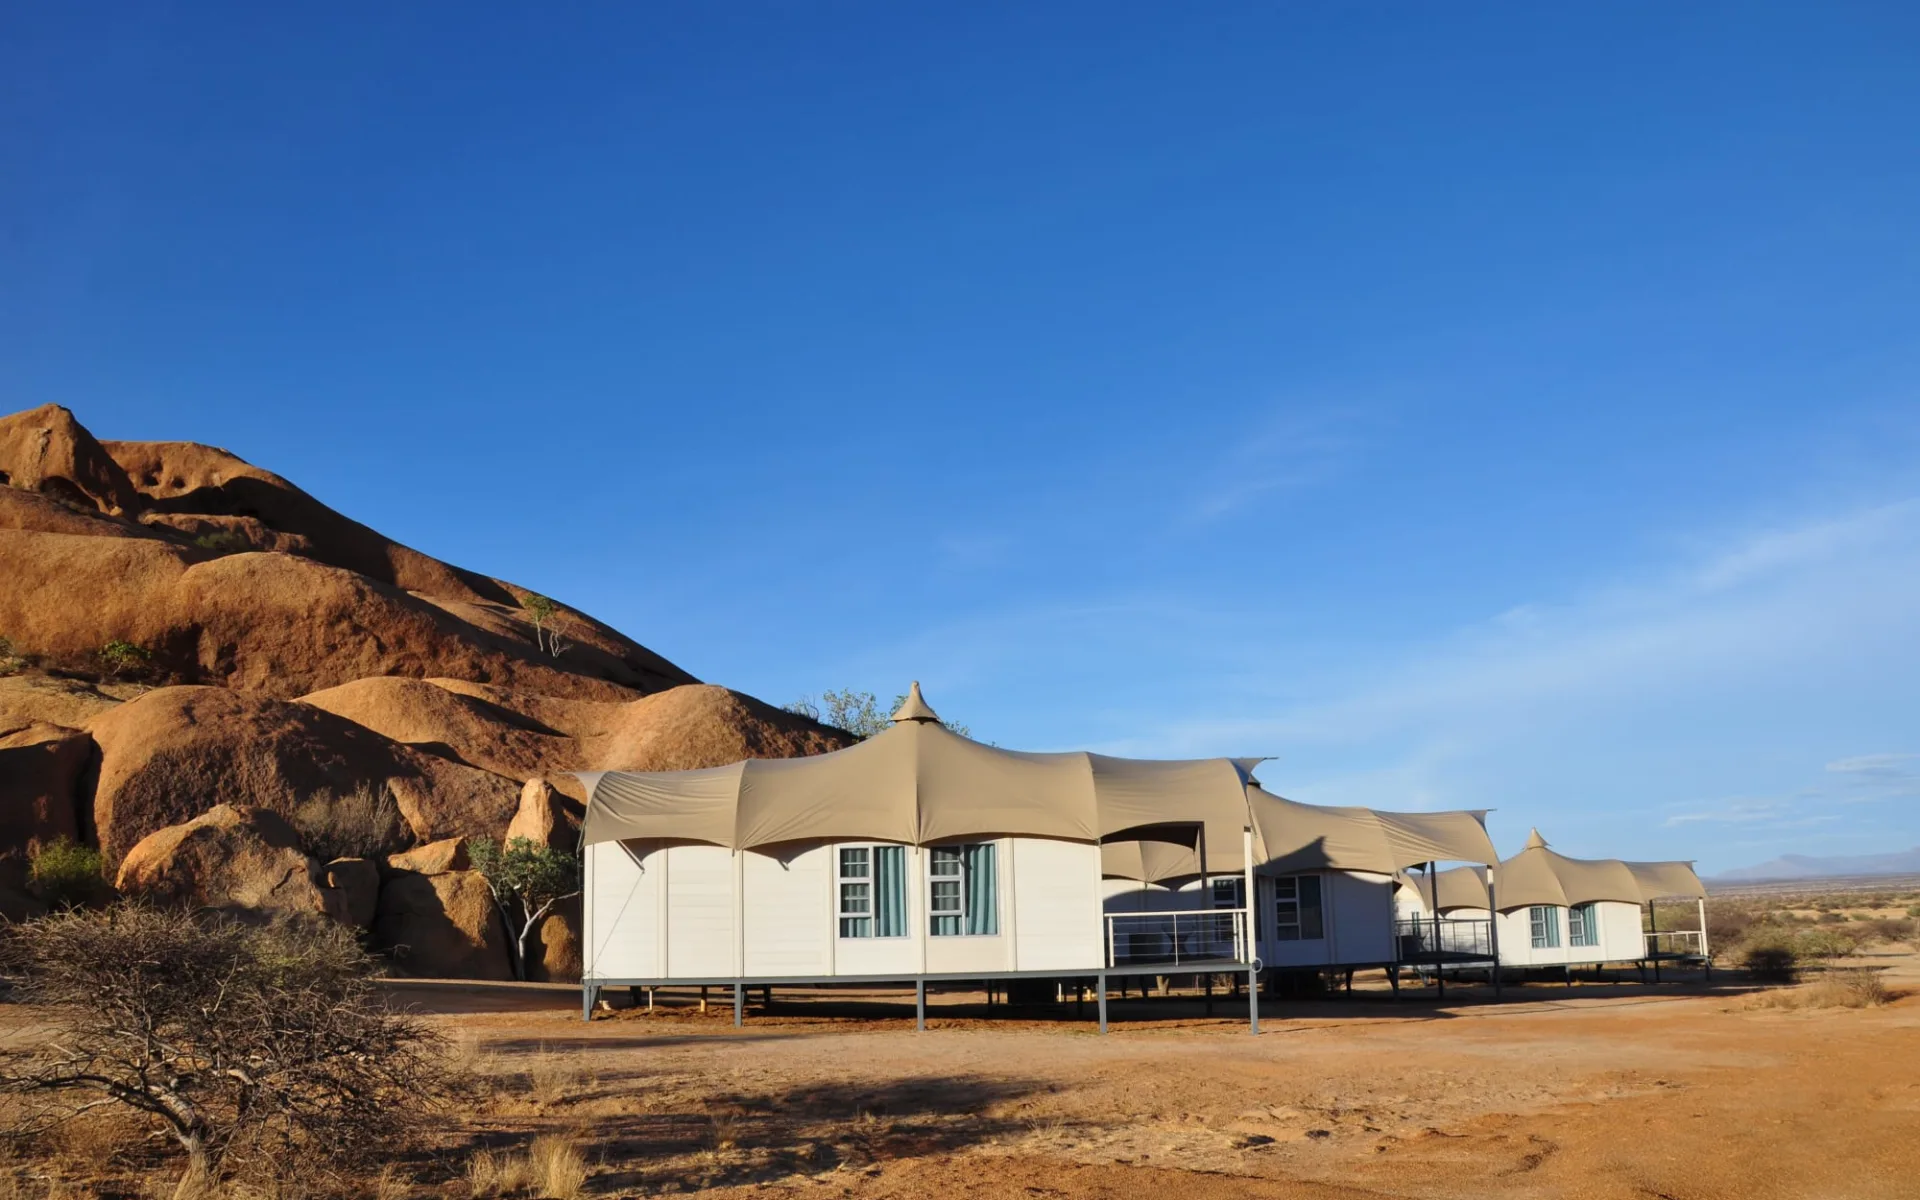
230 857
25 699
546 817
40 770
358 882
45 450
434 858
172 753
442 926
554 950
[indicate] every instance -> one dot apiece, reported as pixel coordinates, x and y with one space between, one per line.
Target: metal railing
1172 938
1422 939
1676 943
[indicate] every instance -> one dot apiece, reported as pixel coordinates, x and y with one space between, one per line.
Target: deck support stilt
739 1004
588 994
1253 1000
1101 984
920 1005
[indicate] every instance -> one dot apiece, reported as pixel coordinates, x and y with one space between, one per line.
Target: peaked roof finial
1535 841
914 707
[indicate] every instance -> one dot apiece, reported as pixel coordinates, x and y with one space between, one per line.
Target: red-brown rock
40 769
45 450
442 926
229 857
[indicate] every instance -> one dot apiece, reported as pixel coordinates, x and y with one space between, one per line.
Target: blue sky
1498 405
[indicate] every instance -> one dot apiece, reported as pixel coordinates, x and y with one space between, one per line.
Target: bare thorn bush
249 1047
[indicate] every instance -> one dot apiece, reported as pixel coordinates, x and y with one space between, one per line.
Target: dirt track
1593 1091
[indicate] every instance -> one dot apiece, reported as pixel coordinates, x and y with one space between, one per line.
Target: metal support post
1101 984
1493 931
920 1005
739 1004
588 994
1252 933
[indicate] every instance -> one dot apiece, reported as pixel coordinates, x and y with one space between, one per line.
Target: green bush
66 875
1771 955
122 658
224 541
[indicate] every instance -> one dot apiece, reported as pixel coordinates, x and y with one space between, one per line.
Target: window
1544 924
1296 909
1583 925
873 891
962 891
1229 893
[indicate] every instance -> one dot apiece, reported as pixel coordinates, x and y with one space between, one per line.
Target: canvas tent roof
1539 875
919 783
1666 880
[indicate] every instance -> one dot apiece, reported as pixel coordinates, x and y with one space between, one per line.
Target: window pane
856 927
853 862
946 862
946 895
1287 888
1312 927
854 898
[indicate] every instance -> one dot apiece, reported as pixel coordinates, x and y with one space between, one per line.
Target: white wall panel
789 915
1056 905
699 890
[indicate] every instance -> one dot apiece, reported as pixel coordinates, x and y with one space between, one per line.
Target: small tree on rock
542 610
527 880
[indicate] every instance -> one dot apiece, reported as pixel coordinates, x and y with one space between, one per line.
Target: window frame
871 881
1543 926
1297 902
1583 924
964 913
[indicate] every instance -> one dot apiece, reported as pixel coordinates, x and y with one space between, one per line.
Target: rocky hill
247 699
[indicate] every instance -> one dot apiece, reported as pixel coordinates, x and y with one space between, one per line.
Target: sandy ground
1683 1092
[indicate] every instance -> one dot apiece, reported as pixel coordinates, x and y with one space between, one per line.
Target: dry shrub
255 1049
553 1168
364 823
559 1169
1836 989
553 1078
497 1173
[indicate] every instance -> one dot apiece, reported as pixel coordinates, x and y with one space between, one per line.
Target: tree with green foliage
527 879
543 610
857 713
122 659
67 875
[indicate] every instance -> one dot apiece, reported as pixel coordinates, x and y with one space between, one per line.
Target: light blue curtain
890 891
983 890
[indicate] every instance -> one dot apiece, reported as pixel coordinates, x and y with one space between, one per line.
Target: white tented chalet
920 855
1552 910
917 854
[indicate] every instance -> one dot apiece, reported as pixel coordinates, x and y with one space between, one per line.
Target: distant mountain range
1804 866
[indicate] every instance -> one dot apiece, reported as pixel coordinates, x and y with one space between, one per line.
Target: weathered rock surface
427 696
554 950
25 699
232 857
442 926
40 769
45 450
434 858
523 734
546 817
358 882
